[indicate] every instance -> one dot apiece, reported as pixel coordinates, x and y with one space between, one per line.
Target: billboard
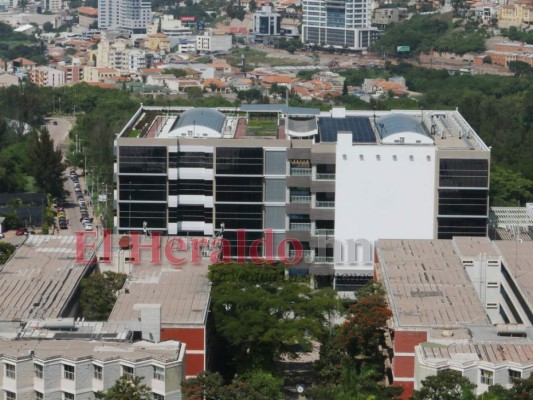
403 49
187 18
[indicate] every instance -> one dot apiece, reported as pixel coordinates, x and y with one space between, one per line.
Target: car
88 227
54 122
63 225
21 231
85 221
82 203
60 209
2 236
61 214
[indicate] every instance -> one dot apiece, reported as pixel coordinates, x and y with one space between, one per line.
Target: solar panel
360 127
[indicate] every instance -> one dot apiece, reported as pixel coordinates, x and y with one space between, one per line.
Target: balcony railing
325 204
301 199
325 177
324 259
307 254
300 171
300 226
324 232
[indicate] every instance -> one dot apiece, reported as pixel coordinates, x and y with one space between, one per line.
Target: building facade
129 16
213 43
338 23
335 181
46 76
74 369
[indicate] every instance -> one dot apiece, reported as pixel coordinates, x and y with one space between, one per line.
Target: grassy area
263 127
134 133
258 58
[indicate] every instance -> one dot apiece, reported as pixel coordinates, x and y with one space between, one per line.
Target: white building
46 76
213 43
76 369
344 23
130 16
136 60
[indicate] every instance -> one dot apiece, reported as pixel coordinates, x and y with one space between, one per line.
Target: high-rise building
335 181
130 16
338 23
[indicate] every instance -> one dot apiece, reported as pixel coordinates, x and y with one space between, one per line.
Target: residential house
20 64
47 76
158 42
516 14
95 74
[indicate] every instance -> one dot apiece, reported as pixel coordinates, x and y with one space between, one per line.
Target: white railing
324 259
325 177
324 232
300 226
307 254
325 204
301 199
300 171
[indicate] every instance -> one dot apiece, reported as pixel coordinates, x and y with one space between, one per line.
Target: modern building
464 304
338 23
335 181
387 16
129 16
208 43
77 369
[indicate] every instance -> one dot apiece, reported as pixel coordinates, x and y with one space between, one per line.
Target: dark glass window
190 187
450 227
239 189
133 215
245 216
248 240
191 160
463 173
147 160
241 161
191 213
462 202
143 187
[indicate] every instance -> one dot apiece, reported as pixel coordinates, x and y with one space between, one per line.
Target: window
513 375
157 396
39 396
97 372
10 371
487 377
159 373
68 372
10 395
492 284
68 396
127 371
38 370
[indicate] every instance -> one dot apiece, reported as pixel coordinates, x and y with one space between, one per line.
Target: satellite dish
300 388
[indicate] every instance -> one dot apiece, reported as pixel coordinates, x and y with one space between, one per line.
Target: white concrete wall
392 197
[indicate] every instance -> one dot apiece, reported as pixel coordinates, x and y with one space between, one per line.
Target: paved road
59 129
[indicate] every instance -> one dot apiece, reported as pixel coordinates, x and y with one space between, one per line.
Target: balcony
300 226
324 259
297 199
301 171
324 232
307 254
325 204
325 177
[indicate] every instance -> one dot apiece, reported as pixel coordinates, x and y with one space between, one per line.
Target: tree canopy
126 388
99 293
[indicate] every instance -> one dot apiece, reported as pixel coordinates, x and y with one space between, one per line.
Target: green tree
45 163
127 388
261 317
205 385
509 188
99 293
265 384
48 27
520 68
6 250
446 385
249 95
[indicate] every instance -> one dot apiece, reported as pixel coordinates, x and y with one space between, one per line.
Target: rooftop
447 130
182 291
489 352
166 352
38 281
427 284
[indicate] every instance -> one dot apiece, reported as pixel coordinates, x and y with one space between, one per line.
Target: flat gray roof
38 281
427 286
165 352
489 352
182 291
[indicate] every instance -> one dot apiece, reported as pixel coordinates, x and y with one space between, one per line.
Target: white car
88 227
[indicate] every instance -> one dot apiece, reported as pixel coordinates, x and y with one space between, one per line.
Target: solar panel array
360 127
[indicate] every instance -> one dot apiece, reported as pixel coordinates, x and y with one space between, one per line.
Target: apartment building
47 76
338 23
213 43
129 16
77 369
335 181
